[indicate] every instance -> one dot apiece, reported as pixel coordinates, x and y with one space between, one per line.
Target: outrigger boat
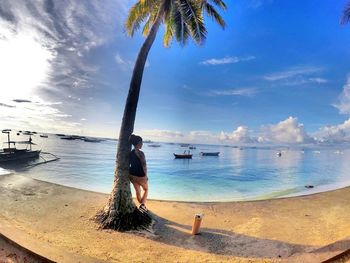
183 156
210 153
12 154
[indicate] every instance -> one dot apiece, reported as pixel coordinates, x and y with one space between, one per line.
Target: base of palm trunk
135 220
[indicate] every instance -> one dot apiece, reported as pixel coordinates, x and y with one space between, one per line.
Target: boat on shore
44 136
12 154
210 153
183 156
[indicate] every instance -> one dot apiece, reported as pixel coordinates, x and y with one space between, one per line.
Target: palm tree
346 14
183 19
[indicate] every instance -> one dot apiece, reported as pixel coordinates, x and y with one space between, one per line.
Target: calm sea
237 174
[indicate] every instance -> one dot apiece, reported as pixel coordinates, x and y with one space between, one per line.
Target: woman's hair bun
135 139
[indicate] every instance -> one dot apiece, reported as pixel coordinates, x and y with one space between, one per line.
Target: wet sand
56 222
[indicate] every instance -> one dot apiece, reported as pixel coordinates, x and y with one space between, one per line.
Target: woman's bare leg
138 192
145 193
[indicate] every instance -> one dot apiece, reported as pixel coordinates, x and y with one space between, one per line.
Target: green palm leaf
193 18
182 18
138 13
210 10
346 14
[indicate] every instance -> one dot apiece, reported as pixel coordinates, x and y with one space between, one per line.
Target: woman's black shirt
135 167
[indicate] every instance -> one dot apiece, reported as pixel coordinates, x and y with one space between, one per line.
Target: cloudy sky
279 73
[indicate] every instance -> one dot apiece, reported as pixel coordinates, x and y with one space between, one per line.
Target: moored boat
12 154
44 136
68 138
210 153
92 140
183 156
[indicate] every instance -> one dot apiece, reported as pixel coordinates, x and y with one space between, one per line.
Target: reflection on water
234 175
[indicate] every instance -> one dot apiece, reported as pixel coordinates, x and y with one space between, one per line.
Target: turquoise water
236 174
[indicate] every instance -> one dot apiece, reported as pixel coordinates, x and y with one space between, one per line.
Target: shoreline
269 196
272 230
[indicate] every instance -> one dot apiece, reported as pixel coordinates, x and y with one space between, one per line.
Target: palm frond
346 14
149 23
167 8
138 13
210 10
180 28
220 4
168 35
192 14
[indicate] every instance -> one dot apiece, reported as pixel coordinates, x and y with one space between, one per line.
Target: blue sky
278 73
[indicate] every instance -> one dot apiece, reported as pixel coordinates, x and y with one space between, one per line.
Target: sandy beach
56 222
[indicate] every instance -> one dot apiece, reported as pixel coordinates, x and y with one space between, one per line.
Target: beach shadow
339 245
223 242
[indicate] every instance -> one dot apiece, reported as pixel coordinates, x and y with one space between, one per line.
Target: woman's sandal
143 207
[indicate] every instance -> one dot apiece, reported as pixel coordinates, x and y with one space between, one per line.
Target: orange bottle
196 224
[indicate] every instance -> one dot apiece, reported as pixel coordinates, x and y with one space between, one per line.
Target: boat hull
210 154
18 155
183 156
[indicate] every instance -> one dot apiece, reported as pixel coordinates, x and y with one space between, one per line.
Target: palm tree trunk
120 212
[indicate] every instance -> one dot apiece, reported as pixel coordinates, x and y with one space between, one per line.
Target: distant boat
210 153
44 136
183 156
154 145
192 147
147 141
12 154
68 138
279 154
184 145
92 140
60 134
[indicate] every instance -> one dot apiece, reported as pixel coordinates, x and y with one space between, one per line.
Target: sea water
236 174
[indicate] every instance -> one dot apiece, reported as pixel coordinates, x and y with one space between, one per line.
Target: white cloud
334 133
259 3
38 115
235 92
344 99
318 80
43 49
295 72
240 135
287 131
226 60
161 134
202 137
127 64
